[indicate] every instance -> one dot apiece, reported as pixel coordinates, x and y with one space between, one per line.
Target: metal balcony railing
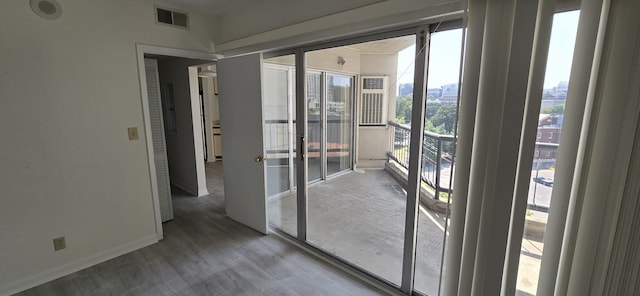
437 169
436 156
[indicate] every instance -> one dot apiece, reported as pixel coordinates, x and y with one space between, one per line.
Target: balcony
359 216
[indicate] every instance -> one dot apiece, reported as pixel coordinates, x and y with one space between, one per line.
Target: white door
240 94
157 135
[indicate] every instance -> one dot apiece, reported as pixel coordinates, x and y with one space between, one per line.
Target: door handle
302 146
259 158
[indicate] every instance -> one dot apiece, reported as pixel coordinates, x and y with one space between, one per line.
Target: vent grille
373 105
172 18
373 83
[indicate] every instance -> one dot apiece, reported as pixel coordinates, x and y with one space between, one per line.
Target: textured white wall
70 89
373 142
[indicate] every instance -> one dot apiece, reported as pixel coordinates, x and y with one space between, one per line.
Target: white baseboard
185 188
69 268
203 192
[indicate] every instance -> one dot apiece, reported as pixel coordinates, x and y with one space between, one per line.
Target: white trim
199 193
141 50
74 266
203 192
196 123
176 52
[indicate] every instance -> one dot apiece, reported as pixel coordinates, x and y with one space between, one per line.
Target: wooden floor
205 253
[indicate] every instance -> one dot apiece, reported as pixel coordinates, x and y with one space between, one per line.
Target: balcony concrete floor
359 217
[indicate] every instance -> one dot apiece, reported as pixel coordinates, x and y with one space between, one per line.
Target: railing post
438 166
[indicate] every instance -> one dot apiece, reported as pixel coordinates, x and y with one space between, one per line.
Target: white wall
373 142
70 90
180 144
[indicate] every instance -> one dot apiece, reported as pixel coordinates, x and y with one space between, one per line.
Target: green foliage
439 118
440 129
431 110
403 109
445 116
554 110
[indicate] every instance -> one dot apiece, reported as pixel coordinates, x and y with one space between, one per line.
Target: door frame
421 32
141 50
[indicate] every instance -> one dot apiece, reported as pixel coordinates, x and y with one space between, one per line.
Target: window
539 135
550 135
537 154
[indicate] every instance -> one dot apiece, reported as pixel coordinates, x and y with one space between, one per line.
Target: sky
446 48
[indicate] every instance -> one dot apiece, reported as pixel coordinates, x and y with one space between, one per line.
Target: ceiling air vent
172 18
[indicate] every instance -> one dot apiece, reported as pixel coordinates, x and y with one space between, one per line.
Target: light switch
133 133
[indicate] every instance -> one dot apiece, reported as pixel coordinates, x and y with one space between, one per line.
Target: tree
446 116
428 126
555 110
431 110
403 109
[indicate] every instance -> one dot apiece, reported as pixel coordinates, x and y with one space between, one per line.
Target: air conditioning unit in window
374 98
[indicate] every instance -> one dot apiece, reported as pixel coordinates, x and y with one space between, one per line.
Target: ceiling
225 7
392 45
210 7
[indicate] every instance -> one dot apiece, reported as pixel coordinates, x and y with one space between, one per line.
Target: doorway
173 124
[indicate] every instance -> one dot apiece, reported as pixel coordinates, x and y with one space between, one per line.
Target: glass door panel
340 89
358 216
314 125
278 113
440 118
276 126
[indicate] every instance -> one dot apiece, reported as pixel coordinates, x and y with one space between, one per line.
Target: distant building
550 102
558 92
549 127
405 89
434 92
449 94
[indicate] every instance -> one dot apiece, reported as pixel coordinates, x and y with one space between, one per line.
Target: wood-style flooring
206 253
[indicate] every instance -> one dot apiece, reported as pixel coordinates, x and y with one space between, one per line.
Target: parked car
544 181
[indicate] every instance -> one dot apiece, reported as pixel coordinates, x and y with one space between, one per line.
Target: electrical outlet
59 244
133 133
